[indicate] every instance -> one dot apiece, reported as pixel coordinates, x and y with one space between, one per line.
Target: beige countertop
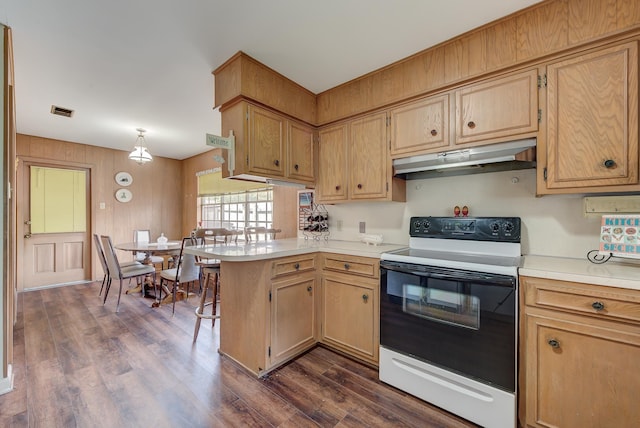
289 247
614 273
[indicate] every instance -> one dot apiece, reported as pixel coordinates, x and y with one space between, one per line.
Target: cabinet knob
471 124
296 167
309 288
276 162
346 266
297 266
365 297
609 163
598 306
359 186
554 343
338 187
434 132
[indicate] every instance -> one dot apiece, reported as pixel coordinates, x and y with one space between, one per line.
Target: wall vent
61 111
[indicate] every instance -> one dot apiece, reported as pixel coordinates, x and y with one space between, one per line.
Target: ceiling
125 64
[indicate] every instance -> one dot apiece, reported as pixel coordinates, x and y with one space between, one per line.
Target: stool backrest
141 235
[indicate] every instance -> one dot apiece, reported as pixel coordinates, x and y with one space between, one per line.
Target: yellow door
56 249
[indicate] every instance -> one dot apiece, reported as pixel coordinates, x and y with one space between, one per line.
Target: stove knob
508 227
417 224
495 227
427 225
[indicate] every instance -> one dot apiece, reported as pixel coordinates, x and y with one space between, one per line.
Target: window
237 210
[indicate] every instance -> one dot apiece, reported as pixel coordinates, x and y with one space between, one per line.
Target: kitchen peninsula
281 297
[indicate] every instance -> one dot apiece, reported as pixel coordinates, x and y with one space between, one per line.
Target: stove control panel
498 229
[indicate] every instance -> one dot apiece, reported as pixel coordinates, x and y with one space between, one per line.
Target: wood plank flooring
79 364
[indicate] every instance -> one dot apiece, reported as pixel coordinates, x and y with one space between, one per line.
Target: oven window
449 307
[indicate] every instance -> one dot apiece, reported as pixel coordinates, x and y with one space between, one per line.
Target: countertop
614 273
289 247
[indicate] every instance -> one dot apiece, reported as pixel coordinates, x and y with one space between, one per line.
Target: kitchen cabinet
592 122
350 305
355 163
269 311
269 145
578 360
420 126
497 109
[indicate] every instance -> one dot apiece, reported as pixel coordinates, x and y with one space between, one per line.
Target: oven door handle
450 274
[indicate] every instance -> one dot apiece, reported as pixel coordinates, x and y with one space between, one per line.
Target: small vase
162 239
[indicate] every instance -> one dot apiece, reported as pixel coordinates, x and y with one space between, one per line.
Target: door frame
23 162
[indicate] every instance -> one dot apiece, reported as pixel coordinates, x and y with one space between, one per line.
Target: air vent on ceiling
61 111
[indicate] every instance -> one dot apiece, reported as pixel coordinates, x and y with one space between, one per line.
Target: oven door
459 320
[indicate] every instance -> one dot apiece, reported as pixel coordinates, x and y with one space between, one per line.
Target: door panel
56 245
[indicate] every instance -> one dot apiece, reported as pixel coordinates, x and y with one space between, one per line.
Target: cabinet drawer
289 265
364 266
599 301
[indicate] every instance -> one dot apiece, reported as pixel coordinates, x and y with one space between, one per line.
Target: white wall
552 225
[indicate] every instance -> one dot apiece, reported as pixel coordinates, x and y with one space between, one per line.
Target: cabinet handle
359 186
309 289
346 266
434 132
554 343
296 167
338 187
471 124
276 162
598 306
297 266
365 297
609 163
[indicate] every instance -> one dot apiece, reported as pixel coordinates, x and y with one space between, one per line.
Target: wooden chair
252 233
144 235
119 272
185 272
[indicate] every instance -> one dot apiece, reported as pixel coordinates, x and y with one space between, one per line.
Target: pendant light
140 154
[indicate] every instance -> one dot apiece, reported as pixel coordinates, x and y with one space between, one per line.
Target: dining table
171 248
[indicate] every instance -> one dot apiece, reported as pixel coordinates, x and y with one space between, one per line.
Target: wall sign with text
619 235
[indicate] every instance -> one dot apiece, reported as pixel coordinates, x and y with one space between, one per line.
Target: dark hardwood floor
79 364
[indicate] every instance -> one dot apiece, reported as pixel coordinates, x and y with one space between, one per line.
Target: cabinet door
332 164
497 109
293 317
302 157
420 127
351 315
592 119
581 373
369 158
267 137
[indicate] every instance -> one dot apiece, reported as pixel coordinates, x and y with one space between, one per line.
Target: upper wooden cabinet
497 109
269 144
420 126
592 122
355 162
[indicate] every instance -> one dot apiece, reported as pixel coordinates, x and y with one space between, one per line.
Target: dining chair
144 236
106 279
119 272
252 233
185 272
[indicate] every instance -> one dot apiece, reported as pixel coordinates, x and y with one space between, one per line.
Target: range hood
472 160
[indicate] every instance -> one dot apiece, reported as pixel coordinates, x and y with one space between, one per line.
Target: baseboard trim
6 384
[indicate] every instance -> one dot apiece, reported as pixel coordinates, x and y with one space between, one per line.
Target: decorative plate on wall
123 195
124 178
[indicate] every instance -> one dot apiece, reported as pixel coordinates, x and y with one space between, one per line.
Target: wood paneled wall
284 198
157 189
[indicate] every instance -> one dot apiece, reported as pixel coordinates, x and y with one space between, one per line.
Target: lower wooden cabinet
580 355
350 314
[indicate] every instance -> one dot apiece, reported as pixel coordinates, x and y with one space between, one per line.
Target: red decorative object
456 211
465 211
